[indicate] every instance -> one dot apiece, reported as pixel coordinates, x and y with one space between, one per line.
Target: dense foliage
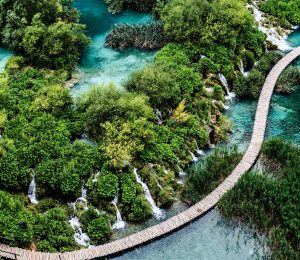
270 200
251 85
20 227
288 11
207 175
45 32
116 6
146 37
167 111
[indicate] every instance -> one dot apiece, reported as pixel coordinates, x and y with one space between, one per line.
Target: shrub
128 189
107 186
99 230
270 200
146 37
204 177
166 197
140 209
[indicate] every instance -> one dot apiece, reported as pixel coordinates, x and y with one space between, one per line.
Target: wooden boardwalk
193 212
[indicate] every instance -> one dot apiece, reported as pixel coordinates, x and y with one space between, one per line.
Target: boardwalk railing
193 212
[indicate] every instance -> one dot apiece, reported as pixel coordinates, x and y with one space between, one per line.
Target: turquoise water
102 65
212 236
4 56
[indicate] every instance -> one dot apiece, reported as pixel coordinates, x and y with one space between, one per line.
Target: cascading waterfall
159 116
223 80
32 189
157 212
158 185
80 237
242 69
119 224
272 35
194 157
199 151
181 176
95 179
225 106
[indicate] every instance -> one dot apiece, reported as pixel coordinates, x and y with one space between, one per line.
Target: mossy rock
166 197
46 204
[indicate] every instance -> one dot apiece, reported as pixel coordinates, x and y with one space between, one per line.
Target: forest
154 123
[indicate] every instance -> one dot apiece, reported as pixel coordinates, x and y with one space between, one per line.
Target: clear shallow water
4 56
211 237
98 63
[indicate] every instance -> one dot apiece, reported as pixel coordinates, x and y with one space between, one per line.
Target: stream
211 236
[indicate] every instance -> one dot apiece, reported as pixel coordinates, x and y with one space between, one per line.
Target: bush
99 230
166 197
107 186
88 216
140 209
54 228
252 84
218 93
116 6
49 38
158 82
270 200
174 54
128 189
146 37
206 176
207 66
288 80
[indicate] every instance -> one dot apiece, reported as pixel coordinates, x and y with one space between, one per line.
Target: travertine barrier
193 212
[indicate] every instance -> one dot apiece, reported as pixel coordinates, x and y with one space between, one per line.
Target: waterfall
96 176
80 237
229 95
181 176
83 197
32 189
241 67
119 224
194 158
272 35
159 116
158 185
157 212
199 151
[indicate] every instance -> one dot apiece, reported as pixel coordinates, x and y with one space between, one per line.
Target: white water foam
223 80
272 35
157 212
80 237
119 224
32 189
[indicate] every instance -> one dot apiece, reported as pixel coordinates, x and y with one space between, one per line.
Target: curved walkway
193 212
